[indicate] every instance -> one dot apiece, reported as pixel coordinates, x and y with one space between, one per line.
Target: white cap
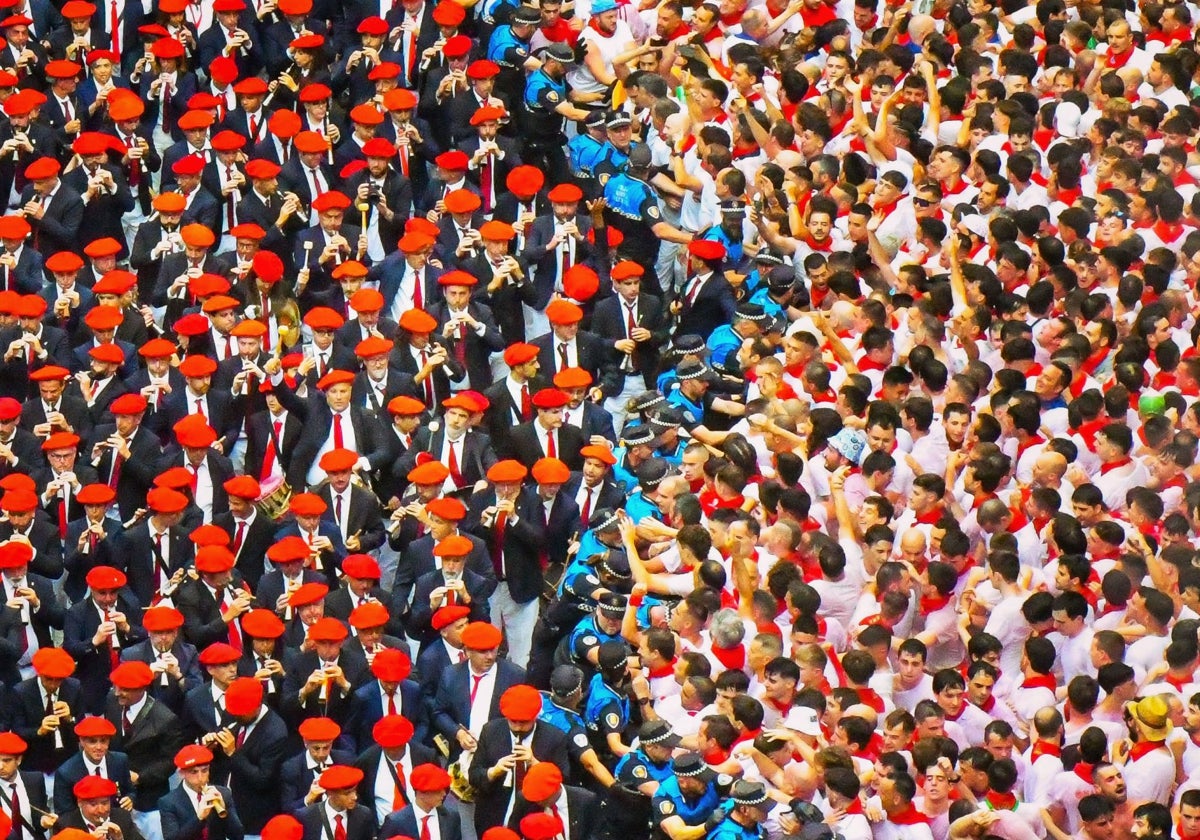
802 719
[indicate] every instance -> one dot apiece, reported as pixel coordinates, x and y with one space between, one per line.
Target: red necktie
585 513
551 449
425 835
115 475
337 509
62 517
114 25
418 297
235 634
241 534
455 470
526 403
18 821
404 161
566 260
339 832
204 826
199 405
460 346
229 214
630 321
195 479
475 686
412 53
498 545
392 711
339 442
158 559
135 168
428 383
113 661
268 466
485 182
228 347
253 129
563 361
692 292
316 184
398 798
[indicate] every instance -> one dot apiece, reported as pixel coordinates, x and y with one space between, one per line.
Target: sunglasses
923 202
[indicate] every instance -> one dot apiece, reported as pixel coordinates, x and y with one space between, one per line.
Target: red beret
244 696
521 703
132 675
19 501
338 460
94 726
455 545
428 778
328 630
706 249
404 406
164 500
508 471
160 619
391 665
53 663
49 373
519 354
431 472
64 262
94 787
308 593
542 781
307 504
262 624
541 826
550 471
600 453
95 494
320 729
100 578
46 167
60 440
361 566
452 510
392 731
462 201
580 282
340 777
370 614
283 827
289 550
525 180
107 353
453 161
457 278
323 318
479 635
549 399
561 311
446 616
193 755
565 194
219 653
335 377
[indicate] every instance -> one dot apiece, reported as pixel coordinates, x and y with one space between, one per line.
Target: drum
274 500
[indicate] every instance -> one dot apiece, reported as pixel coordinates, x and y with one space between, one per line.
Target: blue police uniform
722 341
612 161
622 473
669 801
636 768
733 247
633 210
606 711
762 296
674 457
544 137
587 636
727 829
568 721
510 54
639 507
584 152
693 413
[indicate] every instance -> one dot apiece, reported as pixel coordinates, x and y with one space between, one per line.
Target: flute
288 72
325 131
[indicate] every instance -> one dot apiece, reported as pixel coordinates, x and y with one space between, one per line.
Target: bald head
913 541
920 27
1049 468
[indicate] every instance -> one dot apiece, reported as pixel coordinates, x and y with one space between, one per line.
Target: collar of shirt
132 711
331 814
92 768
249 520
312 764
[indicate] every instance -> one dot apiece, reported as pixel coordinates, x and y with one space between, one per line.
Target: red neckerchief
933 604
715 756
1019 520
1041 138
931 517
1168 232
1142 748
731 19
887 209
817 296
987 705
1068 196
1094 361
713 34
1183 179
665 671
1041 681
782 706
946 190
1089 430
732 658
748 735
855 807
868 696
822 247
826 396
1033 441
1105 469
1001 801
1041 748
1179 683
977 501
909 816
1115 61
956 715
867 363
1083 770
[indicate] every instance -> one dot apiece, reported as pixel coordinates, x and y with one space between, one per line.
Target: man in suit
426 815
446 650
340 812
27 521
510 401
156 549
53 410
271 437
634 325
102 188
398 274
96 629
505 277
250 533
288 575
467 328
204 706
213 603
265 206
460 711
192 260
491 156
329 418
593 487
174 662
566 346
448 586
360 587
40 706
379 383
391 692
508 747
426 360
94 758
53 210
593 422
201 457
125 454
543 792
455 444
546 436
147 732
31 600
556 241
94 808
298 786
388 765
222 411
321 682
213 815
388 193
516 548
254 748
321 539
707 301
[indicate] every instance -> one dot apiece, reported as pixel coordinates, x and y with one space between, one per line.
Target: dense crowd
600 420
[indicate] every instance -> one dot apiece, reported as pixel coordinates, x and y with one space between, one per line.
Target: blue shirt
669 801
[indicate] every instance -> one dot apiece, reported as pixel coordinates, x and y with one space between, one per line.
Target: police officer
638 443
509 49
729 230
692 394
599 628
665 423
616 151
648 766
686 348
633 210
546 107
607 711
560 709
748 321
777 293
687 798
602 540
744 812
585 150
650 474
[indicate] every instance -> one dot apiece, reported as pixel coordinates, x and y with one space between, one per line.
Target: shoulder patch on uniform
581 740
603 178
592 579
639 770
589 640
612 720
666 807
652 212
690 417
552 96
521 51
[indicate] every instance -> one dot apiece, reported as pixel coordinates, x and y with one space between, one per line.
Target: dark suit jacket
254 772
43 536
366 709
137 472
172 693
397 191
495 741
259 439
151 746
417 560
544 261
591 354
477 454
73 769
713 307
179 818
58 229
583 807
299 667
173 265
403 823
610 495
609 322
478 347
524 541
525 445
296 777
203 625
103 213
74 819
138 554
452 700
364 516
225 413
271 585
250 557
368 762
419 619
73 409
359 826
26 711
93 664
